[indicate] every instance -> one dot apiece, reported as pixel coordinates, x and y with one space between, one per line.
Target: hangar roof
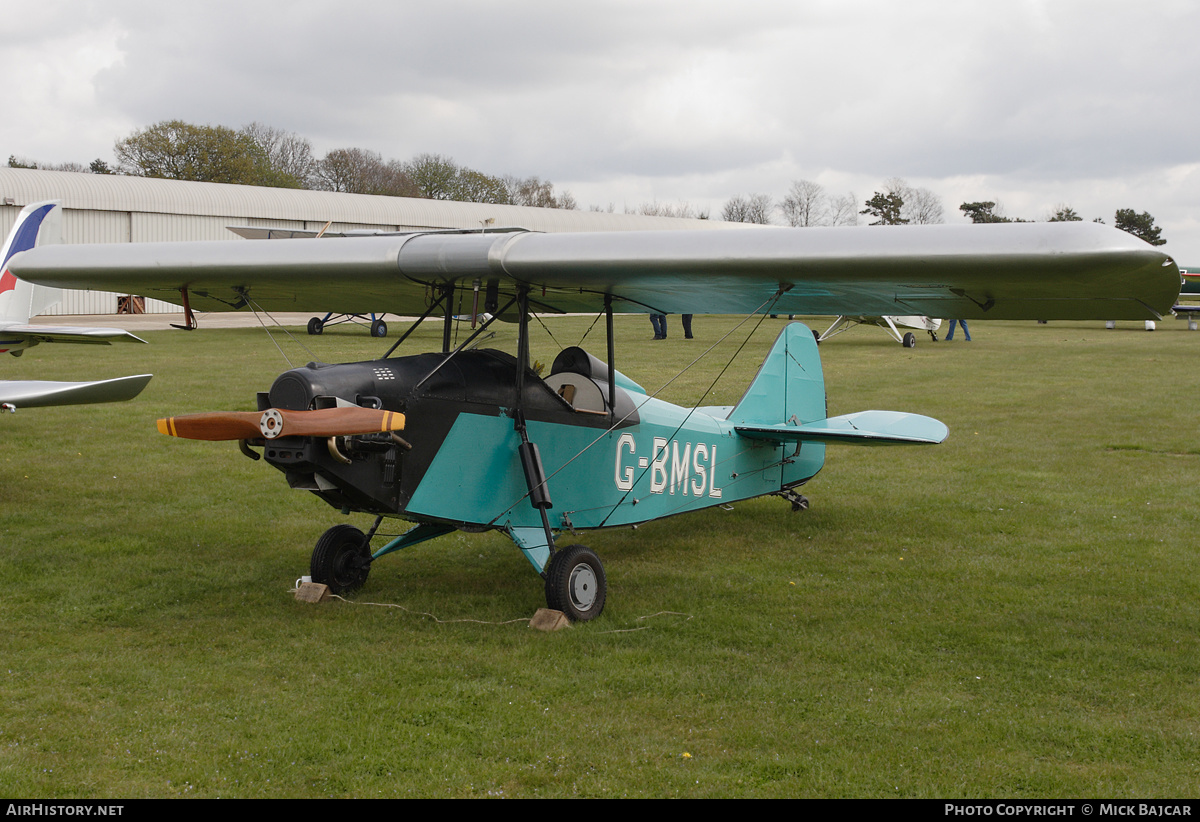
112 192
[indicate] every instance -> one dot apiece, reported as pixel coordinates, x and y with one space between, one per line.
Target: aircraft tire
910 340
315 326
342 559
575 583
379 329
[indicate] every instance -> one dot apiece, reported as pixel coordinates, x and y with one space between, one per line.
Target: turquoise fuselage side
675 460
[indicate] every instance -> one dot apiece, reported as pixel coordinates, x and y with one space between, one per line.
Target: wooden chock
549 620
312 592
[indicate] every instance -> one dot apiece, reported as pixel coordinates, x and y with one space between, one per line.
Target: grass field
1014 613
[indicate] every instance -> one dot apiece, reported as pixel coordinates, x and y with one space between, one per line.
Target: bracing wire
762 310
256 309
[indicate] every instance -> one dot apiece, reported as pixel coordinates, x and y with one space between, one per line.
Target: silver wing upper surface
40 393
997 271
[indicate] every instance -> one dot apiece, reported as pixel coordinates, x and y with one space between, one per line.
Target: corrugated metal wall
103 208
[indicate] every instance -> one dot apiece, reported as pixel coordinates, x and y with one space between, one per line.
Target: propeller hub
271 423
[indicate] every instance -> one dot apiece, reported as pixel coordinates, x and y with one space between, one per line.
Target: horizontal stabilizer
277 422
863 428
39 393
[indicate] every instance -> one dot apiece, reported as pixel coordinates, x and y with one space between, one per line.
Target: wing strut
420 320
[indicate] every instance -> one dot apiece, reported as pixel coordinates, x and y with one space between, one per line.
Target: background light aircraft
890 324
316 325
1190 290
391 437
40 224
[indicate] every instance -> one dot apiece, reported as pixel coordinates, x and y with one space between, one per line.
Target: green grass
1011 614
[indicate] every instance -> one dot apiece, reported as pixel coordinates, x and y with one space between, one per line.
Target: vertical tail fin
37 224
789 382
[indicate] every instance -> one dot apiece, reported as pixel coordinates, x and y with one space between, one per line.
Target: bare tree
680 209
921 206
805 205
360 171
287 152
755 208
843 210
533 191
924 207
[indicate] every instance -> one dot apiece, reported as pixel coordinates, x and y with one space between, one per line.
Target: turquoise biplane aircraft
586 447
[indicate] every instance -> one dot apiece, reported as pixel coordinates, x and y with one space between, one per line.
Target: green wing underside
1001 271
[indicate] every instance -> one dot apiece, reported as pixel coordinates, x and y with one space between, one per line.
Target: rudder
38 224
789 383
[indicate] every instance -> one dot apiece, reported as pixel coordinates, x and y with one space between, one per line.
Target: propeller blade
277 422
329 422
218 425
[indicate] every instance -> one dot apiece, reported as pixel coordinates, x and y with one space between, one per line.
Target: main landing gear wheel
315 326
910 340
342 559
379 329
575 583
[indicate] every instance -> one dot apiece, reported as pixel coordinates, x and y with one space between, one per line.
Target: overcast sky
1032 103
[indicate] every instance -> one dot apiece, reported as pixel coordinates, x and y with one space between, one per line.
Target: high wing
998 271
16 394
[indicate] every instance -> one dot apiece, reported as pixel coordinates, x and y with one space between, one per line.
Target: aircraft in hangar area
39 224
475 439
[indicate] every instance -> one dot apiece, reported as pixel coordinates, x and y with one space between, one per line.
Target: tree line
1127 219
262 155
808 204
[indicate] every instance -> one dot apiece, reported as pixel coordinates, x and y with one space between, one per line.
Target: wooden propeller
277 422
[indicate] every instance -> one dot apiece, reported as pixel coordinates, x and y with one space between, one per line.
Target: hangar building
109 208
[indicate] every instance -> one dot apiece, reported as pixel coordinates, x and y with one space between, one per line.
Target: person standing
950 333
659 321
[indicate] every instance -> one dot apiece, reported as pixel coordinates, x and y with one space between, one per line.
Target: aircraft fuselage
649 460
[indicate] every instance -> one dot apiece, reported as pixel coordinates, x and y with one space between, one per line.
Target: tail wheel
342 559
575 583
